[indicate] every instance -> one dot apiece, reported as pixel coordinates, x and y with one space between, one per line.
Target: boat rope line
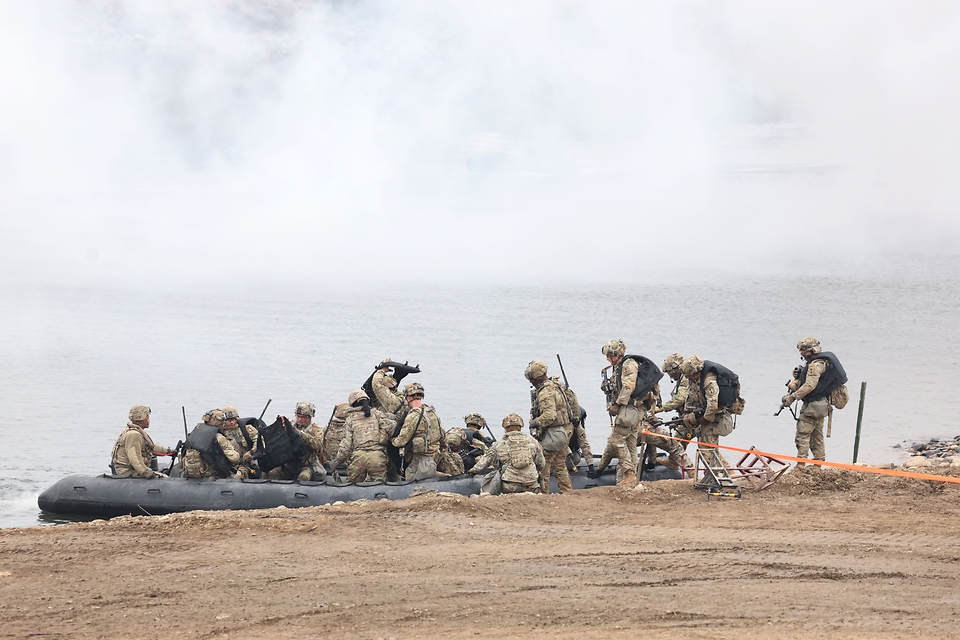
823 463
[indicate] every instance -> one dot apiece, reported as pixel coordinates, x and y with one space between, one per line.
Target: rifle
185 435
797 370
608 388
173 456
262 413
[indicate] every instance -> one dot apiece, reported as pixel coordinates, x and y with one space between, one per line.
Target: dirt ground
824 553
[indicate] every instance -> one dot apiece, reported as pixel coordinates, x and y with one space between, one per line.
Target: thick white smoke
319 142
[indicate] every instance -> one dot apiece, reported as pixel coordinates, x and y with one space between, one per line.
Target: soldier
705 410
209 453
420 436
386 396
635 385
309 466
332 433
671 366
549 415
243 439
133 453
476 423
579 445
816 382
521 459
466 443
366 434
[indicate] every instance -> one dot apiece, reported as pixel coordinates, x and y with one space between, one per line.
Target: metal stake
856 442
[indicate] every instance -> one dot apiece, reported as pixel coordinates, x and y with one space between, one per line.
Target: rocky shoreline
935 453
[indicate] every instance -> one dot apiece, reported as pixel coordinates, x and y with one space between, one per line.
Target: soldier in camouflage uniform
420 436
333 432
194 466
386 396
704 396
245 445
623 440
366 435
548 410
816 406
309 467
519 456
133 453
466 443
671 366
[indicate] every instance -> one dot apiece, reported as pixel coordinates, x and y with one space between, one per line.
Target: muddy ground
824 553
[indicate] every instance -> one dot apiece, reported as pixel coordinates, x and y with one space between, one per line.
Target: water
73 361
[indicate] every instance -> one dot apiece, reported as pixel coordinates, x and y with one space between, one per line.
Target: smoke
317 142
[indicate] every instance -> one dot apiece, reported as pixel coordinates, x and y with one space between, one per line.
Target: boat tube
107 496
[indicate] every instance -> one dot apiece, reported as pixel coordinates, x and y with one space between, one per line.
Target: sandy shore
823 553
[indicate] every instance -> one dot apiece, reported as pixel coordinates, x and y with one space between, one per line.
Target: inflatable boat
106 496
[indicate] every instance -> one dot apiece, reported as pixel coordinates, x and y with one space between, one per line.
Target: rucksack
279 444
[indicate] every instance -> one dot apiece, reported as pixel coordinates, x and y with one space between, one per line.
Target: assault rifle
797 370
608 388
173 456
678 425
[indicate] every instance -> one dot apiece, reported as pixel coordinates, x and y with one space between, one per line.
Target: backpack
518 453
729 385
840 396
279 444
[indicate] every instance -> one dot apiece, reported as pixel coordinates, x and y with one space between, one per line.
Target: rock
917 461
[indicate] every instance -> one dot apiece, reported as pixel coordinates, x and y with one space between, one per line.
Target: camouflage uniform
133 453
549 409
515 479
460 443
716 421
334 431
246 447
193 464
364 444
420 436
385 392
309 466
809 436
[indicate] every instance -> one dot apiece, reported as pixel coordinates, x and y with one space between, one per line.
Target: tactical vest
727 381
367 435
279 444
832 377
648 376
203 438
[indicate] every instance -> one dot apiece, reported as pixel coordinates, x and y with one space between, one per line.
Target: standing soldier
635 386
420 436
242 438
671 366
209 453
550 424
820 383
133 453
364 442
713 397
520 457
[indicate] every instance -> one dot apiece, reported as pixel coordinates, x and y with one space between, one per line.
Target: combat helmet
672 362
413 389
615 348
213 417
306 409
139 412
357 396
691 366
230 412
474 419
512 420
535 370
809 344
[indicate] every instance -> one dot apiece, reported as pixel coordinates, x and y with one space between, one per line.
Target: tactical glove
247 458
613 409
689 420
787 400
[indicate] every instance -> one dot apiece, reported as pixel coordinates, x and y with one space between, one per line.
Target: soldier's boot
629 479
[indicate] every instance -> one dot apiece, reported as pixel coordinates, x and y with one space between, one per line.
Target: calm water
73 361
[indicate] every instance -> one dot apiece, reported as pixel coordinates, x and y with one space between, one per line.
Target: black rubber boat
107 496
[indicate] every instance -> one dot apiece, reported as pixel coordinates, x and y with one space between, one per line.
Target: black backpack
279 444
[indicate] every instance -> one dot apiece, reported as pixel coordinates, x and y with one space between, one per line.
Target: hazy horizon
320 143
